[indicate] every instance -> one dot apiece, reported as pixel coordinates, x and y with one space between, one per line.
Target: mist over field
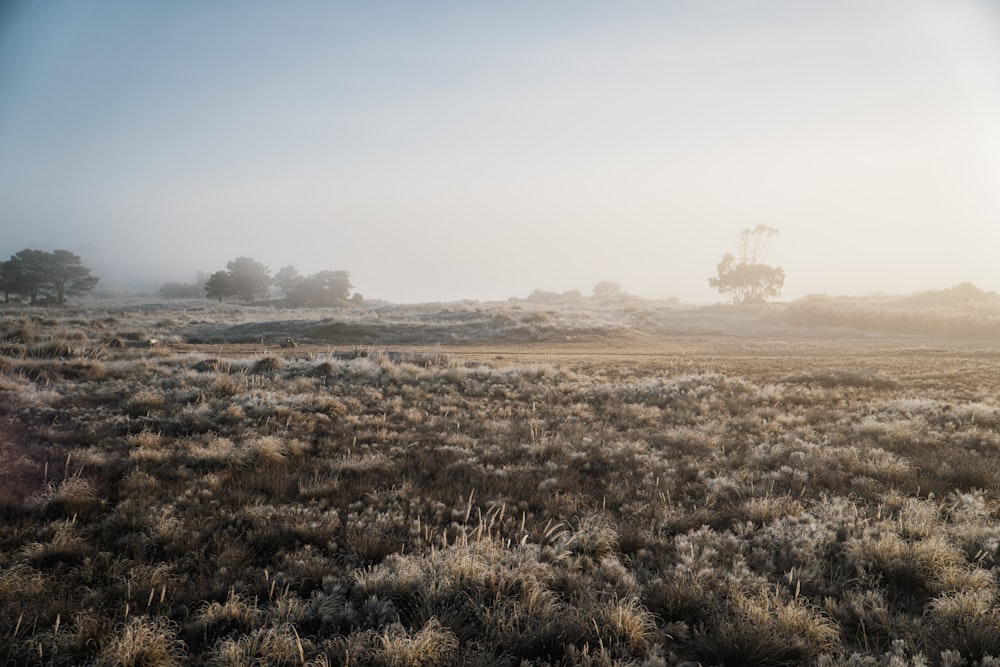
446 150
436 375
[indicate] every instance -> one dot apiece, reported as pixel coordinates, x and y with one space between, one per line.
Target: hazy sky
466 149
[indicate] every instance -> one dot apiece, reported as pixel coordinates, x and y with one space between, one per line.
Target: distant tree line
745 276
604 290
249 280
324 288
45 277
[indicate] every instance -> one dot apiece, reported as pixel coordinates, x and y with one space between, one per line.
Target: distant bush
963 311
182 290
961 295
541 296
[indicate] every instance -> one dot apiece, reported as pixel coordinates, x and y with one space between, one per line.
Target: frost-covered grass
716 499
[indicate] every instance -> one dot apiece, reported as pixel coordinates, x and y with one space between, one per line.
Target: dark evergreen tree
37 275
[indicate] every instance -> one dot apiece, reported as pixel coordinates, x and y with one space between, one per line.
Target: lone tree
219 285
39 275
250 278
68 275
748 279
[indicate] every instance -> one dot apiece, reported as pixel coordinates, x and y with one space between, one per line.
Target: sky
464 149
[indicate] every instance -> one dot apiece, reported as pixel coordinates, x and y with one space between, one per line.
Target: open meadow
506 484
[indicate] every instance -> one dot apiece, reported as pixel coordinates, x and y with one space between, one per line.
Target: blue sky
448 150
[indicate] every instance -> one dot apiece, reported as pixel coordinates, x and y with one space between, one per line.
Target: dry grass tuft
262 646
763 629
143 642
432 645
267 365
965 621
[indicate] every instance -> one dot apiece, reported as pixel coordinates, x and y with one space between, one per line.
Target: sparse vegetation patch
702 499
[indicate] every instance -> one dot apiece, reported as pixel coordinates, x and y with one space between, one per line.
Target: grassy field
493 485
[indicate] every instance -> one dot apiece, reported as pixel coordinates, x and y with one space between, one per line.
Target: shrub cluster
963 310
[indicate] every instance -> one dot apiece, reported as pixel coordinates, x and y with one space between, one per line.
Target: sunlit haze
450 150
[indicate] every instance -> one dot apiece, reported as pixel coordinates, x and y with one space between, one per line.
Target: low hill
962 311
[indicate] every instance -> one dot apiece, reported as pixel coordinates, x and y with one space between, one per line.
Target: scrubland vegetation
544 487
963 310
